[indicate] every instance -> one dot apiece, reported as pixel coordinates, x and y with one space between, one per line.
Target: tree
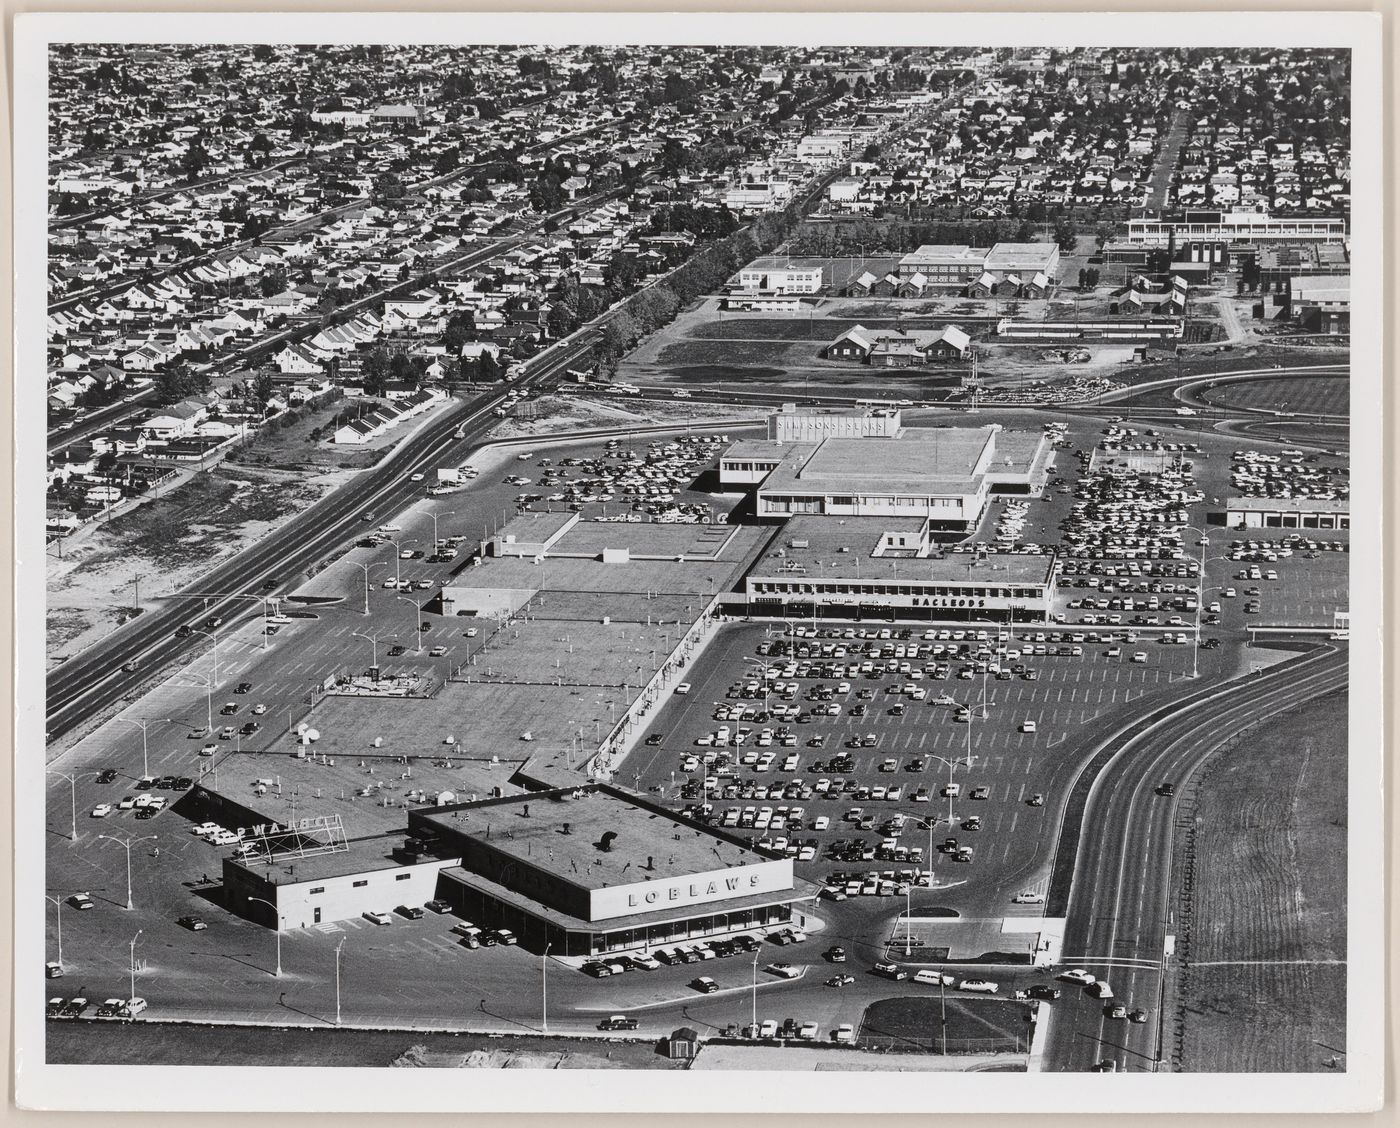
489 366
262 388
1065 233
375 373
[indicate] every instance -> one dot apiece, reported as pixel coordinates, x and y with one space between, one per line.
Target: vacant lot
1264 979
1306 394
90 1043
167 543
973 1025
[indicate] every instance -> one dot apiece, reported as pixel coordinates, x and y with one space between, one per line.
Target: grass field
974 1025
1262 986
1308 394
92 1043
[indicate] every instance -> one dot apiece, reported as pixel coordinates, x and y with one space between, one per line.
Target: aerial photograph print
626 553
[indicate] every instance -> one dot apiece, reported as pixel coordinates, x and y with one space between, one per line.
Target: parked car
81 901
378 918
412 912
193 923
845 1033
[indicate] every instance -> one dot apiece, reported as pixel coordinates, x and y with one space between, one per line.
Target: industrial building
953 265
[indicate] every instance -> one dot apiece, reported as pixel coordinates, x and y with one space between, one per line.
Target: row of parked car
77 1007
696 952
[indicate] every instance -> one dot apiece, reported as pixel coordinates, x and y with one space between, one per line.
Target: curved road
1120 907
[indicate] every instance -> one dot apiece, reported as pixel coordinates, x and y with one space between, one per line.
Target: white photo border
167 1088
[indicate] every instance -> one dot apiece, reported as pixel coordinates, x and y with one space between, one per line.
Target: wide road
1120 906
87 683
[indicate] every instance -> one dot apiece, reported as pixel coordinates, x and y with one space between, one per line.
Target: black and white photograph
619 543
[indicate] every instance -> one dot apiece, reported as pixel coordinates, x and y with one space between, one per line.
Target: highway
88 682
1120 904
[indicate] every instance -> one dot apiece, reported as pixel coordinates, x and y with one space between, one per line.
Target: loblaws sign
697 889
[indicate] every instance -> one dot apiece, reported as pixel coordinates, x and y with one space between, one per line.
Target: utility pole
127 844
133 962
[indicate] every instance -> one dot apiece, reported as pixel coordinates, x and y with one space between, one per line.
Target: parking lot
817 786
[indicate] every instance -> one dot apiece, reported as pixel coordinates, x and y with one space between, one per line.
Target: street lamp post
127 844
544 990
968 760
277 916
145 762
58 906
133 962
214 640
398 558
366 568
417 621
337 979
434 518
753 1032
373 641
72 799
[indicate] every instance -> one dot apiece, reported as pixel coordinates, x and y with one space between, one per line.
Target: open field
1264 976
1307 394
89 1043
913 1023
167 542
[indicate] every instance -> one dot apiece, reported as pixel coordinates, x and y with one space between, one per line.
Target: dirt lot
168 542
1264 977
569 413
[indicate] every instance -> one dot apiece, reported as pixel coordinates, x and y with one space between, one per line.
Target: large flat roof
842 549
935 452
651 538
531 828
802 890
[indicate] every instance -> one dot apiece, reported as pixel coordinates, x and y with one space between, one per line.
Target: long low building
597 869
853 465
876 567
1287 513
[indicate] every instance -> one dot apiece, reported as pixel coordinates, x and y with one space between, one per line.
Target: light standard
417 621
145 763
208 683
929 824
215 643
544 990
337 979
398 558
277 915
72 799
133 962
753 1030
127 844
1204 541
365 568
434 518
951 765
264 600
373 641
58 905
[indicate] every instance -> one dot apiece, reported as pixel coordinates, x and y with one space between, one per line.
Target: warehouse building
953 265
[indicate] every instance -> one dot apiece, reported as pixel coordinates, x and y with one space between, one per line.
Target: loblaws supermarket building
585 870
